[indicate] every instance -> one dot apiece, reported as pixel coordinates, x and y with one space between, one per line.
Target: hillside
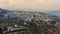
24 15
32 21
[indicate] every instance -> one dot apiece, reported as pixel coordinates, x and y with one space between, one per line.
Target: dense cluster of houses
30 19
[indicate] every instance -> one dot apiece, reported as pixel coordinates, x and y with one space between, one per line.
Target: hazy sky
32 4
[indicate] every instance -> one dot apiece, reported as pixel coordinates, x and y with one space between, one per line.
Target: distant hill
57 12
15 13
52 12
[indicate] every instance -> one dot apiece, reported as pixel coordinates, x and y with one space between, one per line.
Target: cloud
33 4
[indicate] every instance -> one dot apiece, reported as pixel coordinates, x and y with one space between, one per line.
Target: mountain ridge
57 13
